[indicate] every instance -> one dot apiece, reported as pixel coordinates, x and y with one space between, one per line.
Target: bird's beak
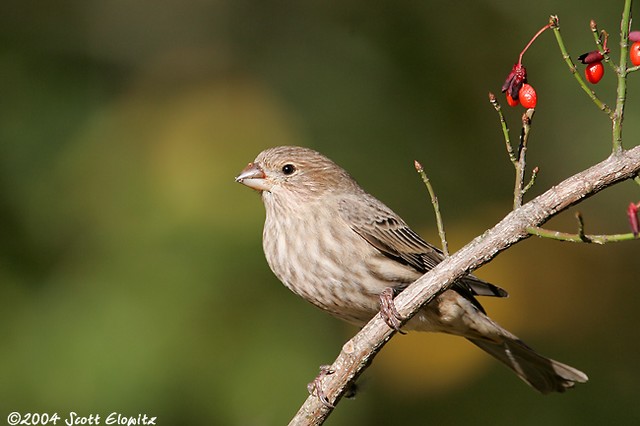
254 177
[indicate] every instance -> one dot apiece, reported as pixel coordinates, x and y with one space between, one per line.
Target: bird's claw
315 387
388 310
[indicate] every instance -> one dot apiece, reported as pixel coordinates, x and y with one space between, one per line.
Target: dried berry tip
632 213
591 57
516 78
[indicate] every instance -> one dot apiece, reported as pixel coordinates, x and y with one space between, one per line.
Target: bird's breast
317 255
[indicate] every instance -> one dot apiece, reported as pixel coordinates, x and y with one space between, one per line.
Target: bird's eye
288 169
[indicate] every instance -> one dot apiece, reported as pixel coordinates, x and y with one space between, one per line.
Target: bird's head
296 170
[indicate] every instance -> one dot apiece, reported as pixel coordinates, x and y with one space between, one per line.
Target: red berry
512 102
527 96
594 72
634 53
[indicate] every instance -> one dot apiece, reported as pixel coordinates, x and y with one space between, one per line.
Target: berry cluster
518 90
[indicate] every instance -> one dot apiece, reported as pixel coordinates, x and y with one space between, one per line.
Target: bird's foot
388 310
315 387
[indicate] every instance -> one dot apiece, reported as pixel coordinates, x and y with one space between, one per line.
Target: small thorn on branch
581 233
534 175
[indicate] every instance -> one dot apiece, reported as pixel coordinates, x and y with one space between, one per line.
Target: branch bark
359 352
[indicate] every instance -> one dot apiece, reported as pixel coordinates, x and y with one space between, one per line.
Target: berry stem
543 29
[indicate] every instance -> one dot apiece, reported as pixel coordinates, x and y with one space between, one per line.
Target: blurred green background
132 277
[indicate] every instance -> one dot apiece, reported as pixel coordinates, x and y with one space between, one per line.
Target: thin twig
534 175
602 48
572 67
577 238
436 207
519 160
521 164
505 128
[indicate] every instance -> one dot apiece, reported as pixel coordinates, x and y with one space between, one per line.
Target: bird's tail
543 374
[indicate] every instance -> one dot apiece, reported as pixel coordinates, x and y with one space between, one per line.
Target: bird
340 248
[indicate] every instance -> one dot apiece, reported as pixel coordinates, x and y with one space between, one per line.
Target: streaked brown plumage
338 247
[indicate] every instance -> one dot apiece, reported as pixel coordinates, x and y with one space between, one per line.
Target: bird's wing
388 233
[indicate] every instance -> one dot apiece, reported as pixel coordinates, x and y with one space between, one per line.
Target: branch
621 93
578 238
359 352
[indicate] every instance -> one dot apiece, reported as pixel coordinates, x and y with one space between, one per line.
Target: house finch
340 248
